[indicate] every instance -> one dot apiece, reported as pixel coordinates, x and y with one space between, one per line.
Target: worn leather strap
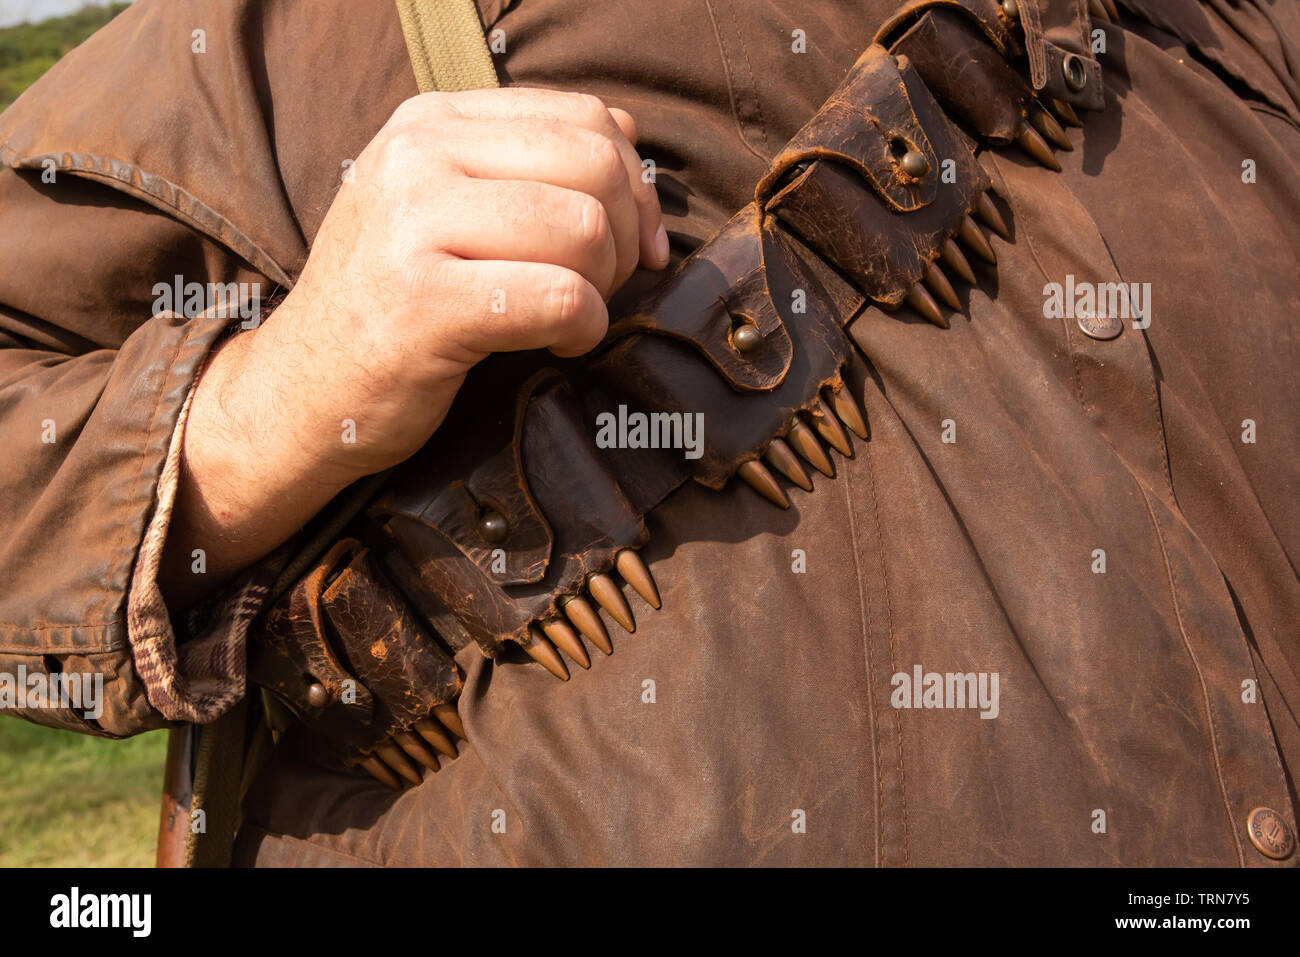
1053 35
520 445
488 530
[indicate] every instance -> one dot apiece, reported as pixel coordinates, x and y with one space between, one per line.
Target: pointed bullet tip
449 716
828 427
586 620
567 640
1037 147
380 773
636 574
974 239
782 458
938 283
609 597
757 477
544 653
846 407
924 303
988 213
806 443
1066 112
958 262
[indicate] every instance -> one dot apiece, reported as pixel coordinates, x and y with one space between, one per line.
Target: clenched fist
472 223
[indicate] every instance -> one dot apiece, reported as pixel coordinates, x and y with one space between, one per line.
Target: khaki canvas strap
445 41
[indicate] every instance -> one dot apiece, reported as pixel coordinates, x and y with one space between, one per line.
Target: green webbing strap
218 767
445 41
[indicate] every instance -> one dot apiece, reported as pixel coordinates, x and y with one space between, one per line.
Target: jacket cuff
200 675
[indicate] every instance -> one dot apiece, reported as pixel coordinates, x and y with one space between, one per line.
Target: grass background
69 799
72 800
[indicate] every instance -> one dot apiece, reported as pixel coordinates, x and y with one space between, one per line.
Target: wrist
245 456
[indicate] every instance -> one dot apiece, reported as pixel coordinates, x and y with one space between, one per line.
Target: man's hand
472 223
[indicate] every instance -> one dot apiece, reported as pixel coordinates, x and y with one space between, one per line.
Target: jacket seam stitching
733 93
893 662
260 258
866 648
1200 675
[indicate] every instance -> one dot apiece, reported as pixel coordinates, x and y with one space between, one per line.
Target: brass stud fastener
746 337
914 164
493 527
317 696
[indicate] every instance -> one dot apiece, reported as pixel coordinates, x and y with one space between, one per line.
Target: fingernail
661 246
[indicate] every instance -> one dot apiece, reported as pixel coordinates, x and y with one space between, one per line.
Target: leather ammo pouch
513 506
346 656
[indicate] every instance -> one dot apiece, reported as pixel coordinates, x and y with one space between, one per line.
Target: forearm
249 478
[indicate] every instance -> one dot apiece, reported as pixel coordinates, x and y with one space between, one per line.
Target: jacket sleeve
94 376
200 139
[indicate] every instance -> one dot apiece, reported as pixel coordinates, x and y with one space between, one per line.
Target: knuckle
421 107
401 143
607 162
565 299
590 105
426 278
458 105
592 222
409 108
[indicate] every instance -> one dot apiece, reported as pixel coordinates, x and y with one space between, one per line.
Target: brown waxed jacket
1147 696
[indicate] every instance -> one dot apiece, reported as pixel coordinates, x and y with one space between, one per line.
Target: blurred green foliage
28 50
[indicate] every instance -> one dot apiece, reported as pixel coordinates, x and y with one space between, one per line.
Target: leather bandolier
512 520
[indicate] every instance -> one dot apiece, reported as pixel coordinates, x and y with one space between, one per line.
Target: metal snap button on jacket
1270 834
1101 327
